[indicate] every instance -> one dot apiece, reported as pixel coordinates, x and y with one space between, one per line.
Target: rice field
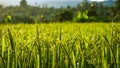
66 45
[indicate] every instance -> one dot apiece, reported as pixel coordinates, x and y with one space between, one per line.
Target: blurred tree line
84 12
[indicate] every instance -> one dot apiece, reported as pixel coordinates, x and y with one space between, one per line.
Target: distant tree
68 7
92 11
117 6
96 11
1 6
86 4
83 6
101 8
23 3
66 15
116 11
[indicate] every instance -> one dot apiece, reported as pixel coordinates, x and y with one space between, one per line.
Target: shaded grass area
66 45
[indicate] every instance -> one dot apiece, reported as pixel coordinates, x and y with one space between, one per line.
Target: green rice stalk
104 63
113 47
60 50
82 62
11 40
3 64
110 46
74 60
9 62
117 56
53 57
12 54
68 56
3 50
39 56
47 56
3 45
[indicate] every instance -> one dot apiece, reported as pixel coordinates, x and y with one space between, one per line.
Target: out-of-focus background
31 11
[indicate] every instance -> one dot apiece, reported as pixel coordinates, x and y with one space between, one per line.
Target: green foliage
23 19
8 19
81 16
23 3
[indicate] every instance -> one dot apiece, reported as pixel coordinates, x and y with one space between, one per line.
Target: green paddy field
60 45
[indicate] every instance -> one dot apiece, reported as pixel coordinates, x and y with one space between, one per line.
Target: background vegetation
84 12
